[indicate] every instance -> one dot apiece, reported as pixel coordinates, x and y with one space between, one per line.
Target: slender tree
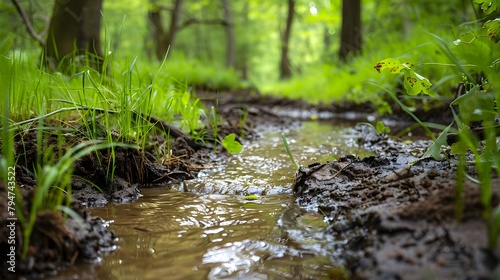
285 64
350 38
244 49
164 39
228 26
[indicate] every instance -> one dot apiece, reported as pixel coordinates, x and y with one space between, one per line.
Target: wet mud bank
396 214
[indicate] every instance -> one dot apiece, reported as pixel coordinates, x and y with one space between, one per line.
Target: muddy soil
394 210
397 214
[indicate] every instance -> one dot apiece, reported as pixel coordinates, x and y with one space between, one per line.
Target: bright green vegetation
412 31
288 151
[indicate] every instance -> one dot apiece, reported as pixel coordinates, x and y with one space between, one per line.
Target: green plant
53 172
285 142
243 120
474 111
214 124
231 145
379 127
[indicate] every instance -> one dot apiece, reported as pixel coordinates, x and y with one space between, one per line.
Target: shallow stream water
209 228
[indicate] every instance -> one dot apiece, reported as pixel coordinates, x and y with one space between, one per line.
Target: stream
233 222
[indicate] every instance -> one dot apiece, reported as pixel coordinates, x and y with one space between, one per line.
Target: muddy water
209 228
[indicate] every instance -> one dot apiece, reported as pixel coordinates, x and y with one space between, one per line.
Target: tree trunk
327 41
230 51
155 19
164 40
243 53
350 39
285 65
74 32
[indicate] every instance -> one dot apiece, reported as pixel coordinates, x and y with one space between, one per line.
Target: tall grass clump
473 56
53 164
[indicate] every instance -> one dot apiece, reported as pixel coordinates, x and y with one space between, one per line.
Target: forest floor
396 210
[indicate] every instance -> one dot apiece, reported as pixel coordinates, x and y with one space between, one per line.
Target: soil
397 214
395 210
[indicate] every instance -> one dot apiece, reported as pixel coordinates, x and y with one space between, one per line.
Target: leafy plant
231 145
53 173
413 82
379 127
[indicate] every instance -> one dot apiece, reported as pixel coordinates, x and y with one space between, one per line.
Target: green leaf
476 105
185 98
493 29
252 197
393 65
381 128
466 38
488 7
435 149
231 145
415 83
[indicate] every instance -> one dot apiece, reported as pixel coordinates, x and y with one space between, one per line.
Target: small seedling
288 151
231 145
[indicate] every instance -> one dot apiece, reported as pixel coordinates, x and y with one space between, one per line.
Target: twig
340 171
28 24
203 21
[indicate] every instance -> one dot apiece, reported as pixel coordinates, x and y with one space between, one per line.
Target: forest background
224 44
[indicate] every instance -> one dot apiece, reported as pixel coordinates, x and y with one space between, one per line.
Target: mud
56 241
394 210
396 213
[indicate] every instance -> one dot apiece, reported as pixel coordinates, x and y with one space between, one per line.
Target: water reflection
177 228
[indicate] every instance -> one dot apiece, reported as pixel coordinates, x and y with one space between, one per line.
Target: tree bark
74 31
285 65
230 51
164 40
243 54
350 38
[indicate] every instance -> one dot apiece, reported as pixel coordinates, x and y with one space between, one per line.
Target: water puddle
208 228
